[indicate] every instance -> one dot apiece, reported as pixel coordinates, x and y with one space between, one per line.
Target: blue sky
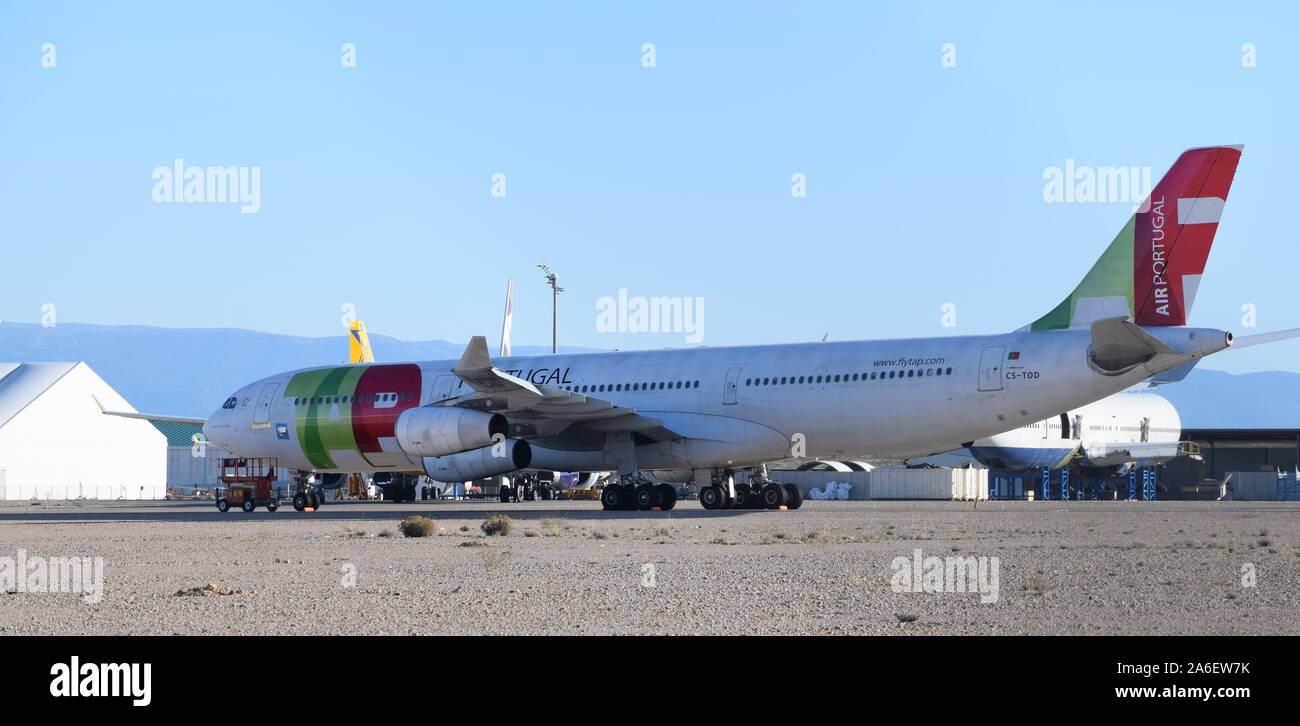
925 183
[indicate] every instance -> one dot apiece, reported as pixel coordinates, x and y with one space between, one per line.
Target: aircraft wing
538 409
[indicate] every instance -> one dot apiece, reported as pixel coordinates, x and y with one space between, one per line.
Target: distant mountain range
1215 399
189 371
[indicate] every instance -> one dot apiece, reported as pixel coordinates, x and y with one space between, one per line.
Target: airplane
1106 437
704 413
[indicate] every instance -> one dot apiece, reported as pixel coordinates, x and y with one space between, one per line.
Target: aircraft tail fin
359 344
506 318
1151 270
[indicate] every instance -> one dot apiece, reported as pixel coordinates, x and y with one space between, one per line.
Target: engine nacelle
439 430
510 455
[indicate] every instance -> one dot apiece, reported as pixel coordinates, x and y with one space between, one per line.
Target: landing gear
667 497
793 497
526 488
615 496
711 497
647 496
636 492
759 492
744 497
307 494
773 495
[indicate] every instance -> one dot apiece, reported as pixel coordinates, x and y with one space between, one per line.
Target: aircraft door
991 368
729 388
263 413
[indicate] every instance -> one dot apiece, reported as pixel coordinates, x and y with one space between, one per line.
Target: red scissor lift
248 483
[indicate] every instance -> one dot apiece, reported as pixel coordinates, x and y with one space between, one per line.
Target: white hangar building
56 442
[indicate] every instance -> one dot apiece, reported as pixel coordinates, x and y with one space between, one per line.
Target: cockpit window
230 402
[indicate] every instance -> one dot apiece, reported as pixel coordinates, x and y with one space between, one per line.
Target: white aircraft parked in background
1108 435
704 412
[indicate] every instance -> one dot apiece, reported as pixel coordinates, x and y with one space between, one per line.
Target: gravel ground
566 567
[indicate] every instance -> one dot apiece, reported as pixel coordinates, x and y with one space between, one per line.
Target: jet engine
510 455
440 430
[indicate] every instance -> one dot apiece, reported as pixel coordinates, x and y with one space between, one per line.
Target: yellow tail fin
359 344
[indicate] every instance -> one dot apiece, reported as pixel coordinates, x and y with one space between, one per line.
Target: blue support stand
1132 484
1046 484
1065 485
1288 489
1149 484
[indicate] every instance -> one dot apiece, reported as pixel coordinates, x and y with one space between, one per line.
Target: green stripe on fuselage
322 426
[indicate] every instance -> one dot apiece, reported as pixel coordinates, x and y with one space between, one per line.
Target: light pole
553 281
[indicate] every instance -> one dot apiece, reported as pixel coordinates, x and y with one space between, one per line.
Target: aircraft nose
217 427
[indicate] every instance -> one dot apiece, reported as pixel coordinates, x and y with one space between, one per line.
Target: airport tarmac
571 568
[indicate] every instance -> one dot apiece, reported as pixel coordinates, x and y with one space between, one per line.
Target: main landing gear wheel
223 505
793 497
667 497
711 497
299 502
614 497
647 496
773 495
743 496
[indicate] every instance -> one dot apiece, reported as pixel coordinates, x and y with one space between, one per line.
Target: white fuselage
727 407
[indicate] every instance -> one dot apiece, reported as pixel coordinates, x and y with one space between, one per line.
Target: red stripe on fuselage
372 417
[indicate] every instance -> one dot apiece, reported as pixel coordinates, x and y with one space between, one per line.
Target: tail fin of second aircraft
1151 270
359 344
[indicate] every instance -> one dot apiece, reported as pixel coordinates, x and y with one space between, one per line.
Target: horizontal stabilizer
1118 345
1173 375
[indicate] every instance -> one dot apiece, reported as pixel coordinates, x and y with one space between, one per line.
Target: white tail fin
505 321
